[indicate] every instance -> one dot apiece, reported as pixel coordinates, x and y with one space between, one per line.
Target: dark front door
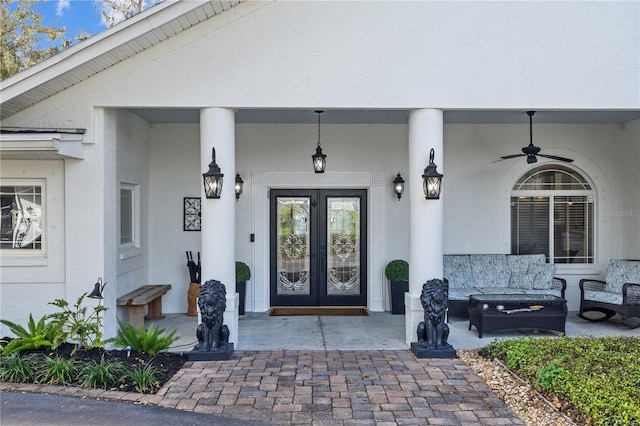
318 247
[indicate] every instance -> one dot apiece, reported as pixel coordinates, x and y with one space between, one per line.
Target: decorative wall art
191 213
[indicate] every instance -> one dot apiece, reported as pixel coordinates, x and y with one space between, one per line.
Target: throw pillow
523 281
543 275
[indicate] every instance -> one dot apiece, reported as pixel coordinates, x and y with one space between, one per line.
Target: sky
76 15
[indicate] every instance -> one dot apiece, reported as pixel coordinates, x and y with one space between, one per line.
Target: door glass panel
343 241
293 246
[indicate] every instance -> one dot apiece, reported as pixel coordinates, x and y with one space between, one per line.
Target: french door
318 242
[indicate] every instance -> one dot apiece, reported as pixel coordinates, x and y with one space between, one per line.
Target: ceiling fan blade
507 157
555 157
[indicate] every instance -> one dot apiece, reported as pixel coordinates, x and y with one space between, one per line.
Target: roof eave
100 44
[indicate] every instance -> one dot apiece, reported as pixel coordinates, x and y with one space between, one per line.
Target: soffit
103 50
366 116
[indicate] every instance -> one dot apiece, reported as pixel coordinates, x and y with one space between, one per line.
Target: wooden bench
148 295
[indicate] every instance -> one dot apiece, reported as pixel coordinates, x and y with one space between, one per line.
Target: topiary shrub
243 273
397 270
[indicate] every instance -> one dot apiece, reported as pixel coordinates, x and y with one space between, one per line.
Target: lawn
598 376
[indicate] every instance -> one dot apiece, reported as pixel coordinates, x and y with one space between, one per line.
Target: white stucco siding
456 55
475 219
476 191
174 174
132 168
30 282
272 147
630 207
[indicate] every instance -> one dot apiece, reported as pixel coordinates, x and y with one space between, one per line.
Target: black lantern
319 159
238 187
98 290
213 178
432 180
398 186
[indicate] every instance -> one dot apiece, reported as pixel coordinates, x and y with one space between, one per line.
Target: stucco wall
283 148
29 282
630 212
476 201
521 55
131 167
457 55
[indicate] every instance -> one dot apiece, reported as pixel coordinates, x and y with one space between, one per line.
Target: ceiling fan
531 151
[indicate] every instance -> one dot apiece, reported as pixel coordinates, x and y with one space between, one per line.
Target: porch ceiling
389 116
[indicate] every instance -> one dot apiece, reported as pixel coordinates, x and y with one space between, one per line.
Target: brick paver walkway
337 388
321 388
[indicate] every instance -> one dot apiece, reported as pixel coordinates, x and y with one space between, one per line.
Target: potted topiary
243 274
397 272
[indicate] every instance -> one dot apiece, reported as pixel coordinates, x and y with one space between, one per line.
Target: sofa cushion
519 263
489 270
457 270
620 272
543 275
603 296
500 290
522 280
551 291
462 293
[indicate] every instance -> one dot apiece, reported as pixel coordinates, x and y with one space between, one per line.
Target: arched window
552 213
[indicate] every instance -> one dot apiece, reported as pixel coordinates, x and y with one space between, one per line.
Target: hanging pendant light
319 159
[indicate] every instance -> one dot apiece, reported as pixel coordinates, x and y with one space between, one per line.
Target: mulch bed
166 363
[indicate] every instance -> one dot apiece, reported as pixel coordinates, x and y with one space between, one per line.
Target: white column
426 216
217 129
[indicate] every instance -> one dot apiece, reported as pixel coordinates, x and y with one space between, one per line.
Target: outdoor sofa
619 293
469 274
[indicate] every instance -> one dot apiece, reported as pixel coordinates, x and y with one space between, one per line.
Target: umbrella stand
194 285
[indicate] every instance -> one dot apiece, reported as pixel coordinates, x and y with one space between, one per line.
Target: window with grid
552 213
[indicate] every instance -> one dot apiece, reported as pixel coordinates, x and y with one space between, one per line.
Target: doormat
297 311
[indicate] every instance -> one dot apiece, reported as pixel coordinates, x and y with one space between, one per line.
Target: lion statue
433 332
212 301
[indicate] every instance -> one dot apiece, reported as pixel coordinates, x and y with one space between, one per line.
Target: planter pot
241 288
398 289
192 299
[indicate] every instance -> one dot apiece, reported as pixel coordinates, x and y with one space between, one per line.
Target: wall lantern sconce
213 178
98 290
319 159
398 186
432 180
239 183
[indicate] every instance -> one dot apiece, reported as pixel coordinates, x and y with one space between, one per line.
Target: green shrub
243 273
546 376
144 378
18 369
149 341
57 371
597 375
81 326
102 374
37 335
397 270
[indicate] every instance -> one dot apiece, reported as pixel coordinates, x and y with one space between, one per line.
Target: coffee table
489 312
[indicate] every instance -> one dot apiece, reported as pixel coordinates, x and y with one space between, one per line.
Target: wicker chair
615 295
